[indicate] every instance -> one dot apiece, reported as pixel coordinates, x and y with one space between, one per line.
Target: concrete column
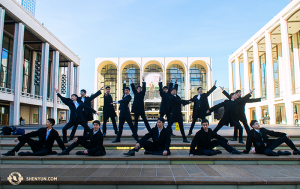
230 77
17 73
246 72
2 16
96 75
209 86
54 83
77 74
270 77
296 63
256 71
43 83
237 74
70 79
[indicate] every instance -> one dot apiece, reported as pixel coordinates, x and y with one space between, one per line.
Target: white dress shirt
83 99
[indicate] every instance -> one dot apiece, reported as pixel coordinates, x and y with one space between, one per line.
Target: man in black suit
231 113
161 141
87 114
138 104
176 112
47 135
204 143
200 106
241 110
259 137
165 105
75 115
125 113
94 146
108 111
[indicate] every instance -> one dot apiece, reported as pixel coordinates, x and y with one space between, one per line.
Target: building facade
269 63
33 62
192 72
28 5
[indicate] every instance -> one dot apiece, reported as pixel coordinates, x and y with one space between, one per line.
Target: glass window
276 71
292 63
131 70
251 70
27 70
241 61
49 79
6 62
175 70
37 87
197 79
263 75
108 77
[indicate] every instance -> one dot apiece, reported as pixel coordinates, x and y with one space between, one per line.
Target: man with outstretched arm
109 111
200 106
164 92
204 143
125 113
75 114
259 137
161 141
138 104
94 147
47 135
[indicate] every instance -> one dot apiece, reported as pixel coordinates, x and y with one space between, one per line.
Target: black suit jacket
231 109
203 140
201 105
138 101
162 143
124 109
165 105
176 107
258 139
75 113
242 104
108 108
96 141
87 101
41 133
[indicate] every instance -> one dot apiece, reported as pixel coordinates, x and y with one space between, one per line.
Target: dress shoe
65 141
69 140
80 153
235 151
185 140
284 152
241 142
173 134
63 153
116 132
24 153
104 134
218 151
190 133
148 152
296 152
234 139
116 141
9 153
130 153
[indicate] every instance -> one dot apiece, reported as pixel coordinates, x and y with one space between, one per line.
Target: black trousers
246 126
277 142
168 115
75 124
128 119
85 117
214 143
36 148
149 146
196 115
113 120
86 144
180 122
136 121
226 121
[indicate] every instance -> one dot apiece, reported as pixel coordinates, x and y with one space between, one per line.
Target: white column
296 63
237 74
17 73
43 83
209 86
270 77
70 79
246 72
2 16
230 77
256 71
77 72
54 83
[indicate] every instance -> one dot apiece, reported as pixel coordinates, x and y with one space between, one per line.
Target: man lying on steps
94 147
205 144
43 146
161 138
259 136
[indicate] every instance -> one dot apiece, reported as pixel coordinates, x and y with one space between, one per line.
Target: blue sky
155 28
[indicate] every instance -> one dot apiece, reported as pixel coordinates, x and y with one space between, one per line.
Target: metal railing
6 90
32 96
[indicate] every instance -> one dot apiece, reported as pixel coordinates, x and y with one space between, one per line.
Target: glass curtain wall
175 70
27 70
263 75
276 70
6 62
131 70
241 62
291 47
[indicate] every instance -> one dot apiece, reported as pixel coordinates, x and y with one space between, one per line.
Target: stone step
136 176
176 157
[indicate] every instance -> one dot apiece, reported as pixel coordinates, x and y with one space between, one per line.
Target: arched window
197 78
131 70
175 70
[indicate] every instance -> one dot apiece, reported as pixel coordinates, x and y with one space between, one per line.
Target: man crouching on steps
94 146
161 141
205 144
